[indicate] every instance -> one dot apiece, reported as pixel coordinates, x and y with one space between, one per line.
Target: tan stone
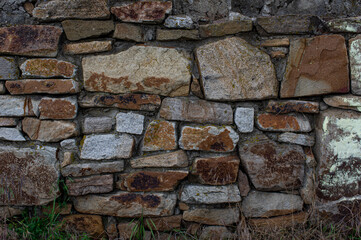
182 206
216 170
283 123
316 66
287 106
126 31
171 35
48 131
279 222
277 42
225 27
30 40
172 159
80 29
142 11
277 54
132 71
243 184
29 7
90 184
196 88
58 108
87 47
165 223
90 224
50 86
344 101
47 68
216 233
160 135
222 217
285 24
68 158
8 122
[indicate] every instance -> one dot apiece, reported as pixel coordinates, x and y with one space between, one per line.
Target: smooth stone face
272 166
208 138
11 134
87 47
33 173
125 204
80 29
265 204
47 68
300 139
97 125
92 225
8 68
160 135
30 40
58 108
225 27
126 31
231 70
217 170
288 24
277 42
338 150
287 106
142 11
50 86
201 194
355 64
170 35
130 123
131 71
90 184
316 66
172 159
17 106
180 21
80 9
344 101
86 169
244 119
345 25
200 111
283 123
143 102
227 216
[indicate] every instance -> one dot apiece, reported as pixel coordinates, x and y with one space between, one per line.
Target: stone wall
188 112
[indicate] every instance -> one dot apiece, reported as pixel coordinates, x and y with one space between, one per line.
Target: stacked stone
186 128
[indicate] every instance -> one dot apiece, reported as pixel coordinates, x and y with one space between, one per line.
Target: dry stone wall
186 112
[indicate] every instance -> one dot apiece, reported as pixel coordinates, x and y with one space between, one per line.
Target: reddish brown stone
316 66
87 47
143 11
90 184
50 86
90 224
160 135
58 108
279 222
8 122
243 184
30 40
47 68
283 123
165 223
153 181
216 170
288 106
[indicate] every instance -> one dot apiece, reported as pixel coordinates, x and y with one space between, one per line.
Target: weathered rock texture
80 29
50 86
47 68
201 194
160 135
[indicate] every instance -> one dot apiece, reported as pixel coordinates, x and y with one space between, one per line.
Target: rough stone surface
180 21
8 212
143 102
170 35
86 169
228 72
355 64
316 66
196 88
243 184
80 29
272 166
277 42
8 122
280 221
344 101
166 223
90 224
208 138
221 217
49 131
160 135
58 108
110 225
222 28
338 152
201 194
8 68
142 11
308 190
216 170
244 119
47 68
126 31
125 204
172 159
79 9
90 184
17 106
33 173
287 106
97 125
30 40
216 232
289 24
345 25
265 204
69 144
130 123
300 139
131 71
200 111
87 47
11 134
50 86
125 229
283 123
107 146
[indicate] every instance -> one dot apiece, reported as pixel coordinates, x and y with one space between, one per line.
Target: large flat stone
80 29
160 135
272 166
125 204
47 68
172 159
131 71
355 64
283 123
107 146
200 111
29 176
90 184
348 101
227 216
231 70
86 169
30 40
50 86
58 108
316 66
18 106
8 68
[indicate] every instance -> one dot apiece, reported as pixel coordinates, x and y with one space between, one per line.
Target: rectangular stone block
225 27
283 123
8 68
172 159
18 106
47 68
50 86
87 47
97 125
58 108
130 123
90 184
86 169
80 29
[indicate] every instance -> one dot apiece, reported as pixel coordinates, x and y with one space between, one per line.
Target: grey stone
17 106
8 68
355 64
107 146
180 21
130 123
172 159
300 139
266 204
11 134
244 119
8 212
221 217
2 88
202 194
79 29
97 125
216 232
225 27
126 31
69 144
176 34
345 25
90 184
86 169
348 101
308 190
288 24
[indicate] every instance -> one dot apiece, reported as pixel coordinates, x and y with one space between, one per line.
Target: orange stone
160 135
47 68
278 42
51 86
58 108
283 123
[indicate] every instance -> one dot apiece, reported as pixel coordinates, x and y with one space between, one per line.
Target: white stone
179 22
11 134
17 106
130 123
244 119
97 125
69 144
